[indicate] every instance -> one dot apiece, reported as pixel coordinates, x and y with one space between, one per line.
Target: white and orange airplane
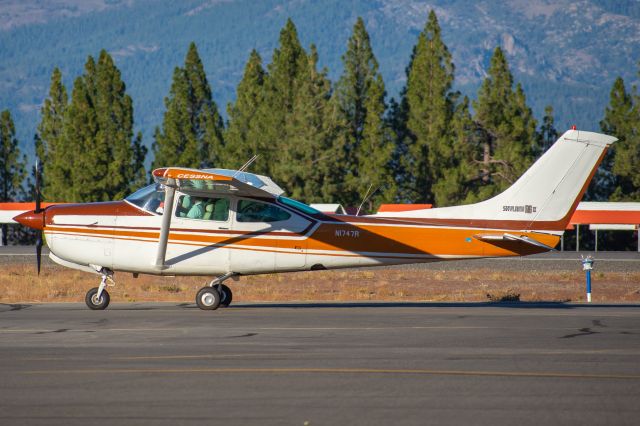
227 223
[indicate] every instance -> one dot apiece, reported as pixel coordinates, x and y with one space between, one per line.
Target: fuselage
247 235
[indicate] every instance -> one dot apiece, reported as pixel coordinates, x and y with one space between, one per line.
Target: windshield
298 205
149 198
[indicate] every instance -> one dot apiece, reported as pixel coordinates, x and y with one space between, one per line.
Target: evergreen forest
322 140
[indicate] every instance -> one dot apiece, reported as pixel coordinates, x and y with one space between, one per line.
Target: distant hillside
566 53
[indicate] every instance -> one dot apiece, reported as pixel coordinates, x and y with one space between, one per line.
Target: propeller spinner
35 219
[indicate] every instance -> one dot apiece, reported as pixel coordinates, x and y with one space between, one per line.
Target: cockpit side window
203 208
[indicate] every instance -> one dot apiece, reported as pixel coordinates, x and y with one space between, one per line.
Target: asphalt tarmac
320 364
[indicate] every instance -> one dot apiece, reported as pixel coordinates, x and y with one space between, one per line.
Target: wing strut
169 193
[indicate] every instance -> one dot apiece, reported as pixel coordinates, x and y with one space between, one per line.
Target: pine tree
622 120
242 137
308 163
429 81
453 177
12 164
85 158
375 153
437 133
176 144
114 110
508 128
192 128
104 162
281 86
548 133
360 93
396 121
50 141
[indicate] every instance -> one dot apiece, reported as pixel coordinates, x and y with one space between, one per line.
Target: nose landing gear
98 298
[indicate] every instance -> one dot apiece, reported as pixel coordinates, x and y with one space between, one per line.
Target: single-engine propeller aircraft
226 223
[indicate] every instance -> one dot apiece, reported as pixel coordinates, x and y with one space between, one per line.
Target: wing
202 181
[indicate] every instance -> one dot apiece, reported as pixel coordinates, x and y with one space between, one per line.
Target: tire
95 304
208 298
226 296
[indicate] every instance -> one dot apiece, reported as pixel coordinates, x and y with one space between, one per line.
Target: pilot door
200 232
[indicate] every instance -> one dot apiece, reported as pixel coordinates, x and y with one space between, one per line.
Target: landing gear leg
215 294
98 298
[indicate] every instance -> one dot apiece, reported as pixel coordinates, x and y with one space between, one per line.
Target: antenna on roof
366 197
245 166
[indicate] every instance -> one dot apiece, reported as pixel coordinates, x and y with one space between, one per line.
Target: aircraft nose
31 219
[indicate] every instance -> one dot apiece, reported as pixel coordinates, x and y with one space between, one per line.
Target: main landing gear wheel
97 303
225 295
208 298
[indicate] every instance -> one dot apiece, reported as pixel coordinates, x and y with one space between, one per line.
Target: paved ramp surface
320 364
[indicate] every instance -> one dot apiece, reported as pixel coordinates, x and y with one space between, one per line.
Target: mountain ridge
564 53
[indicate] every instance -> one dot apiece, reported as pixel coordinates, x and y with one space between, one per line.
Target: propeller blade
37 188
38 197
39 250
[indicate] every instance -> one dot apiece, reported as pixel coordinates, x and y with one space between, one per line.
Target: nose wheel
95 302
98 298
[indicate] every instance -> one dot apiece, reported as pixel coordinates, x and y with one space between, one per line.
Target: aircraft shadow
380 305
147 306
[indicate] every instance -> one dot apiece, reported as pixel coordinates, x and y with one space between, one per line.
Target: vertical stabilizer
543 198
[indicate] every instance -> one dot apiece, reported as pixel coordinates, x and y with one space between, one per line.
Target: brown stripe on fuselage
347 238
107 208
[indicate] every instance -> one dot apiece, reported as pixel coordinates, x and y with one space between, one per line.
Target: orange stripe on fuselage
342 237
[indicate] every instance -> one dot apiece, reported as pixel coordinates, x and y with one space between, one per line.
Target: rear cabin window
255 211
203 208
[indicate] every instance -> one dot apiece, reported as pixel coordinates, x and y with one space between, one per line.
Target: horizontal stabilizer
510 237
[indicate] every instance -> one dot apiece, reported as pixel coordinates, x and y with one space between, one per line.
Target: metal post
596 240
577 237
587 266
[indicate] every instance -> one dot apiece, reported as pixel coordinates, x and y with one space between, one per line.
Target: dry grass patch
19 283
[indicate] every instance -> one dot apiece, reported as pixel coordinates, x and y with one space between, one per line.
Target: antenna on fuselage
366 197
245 166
